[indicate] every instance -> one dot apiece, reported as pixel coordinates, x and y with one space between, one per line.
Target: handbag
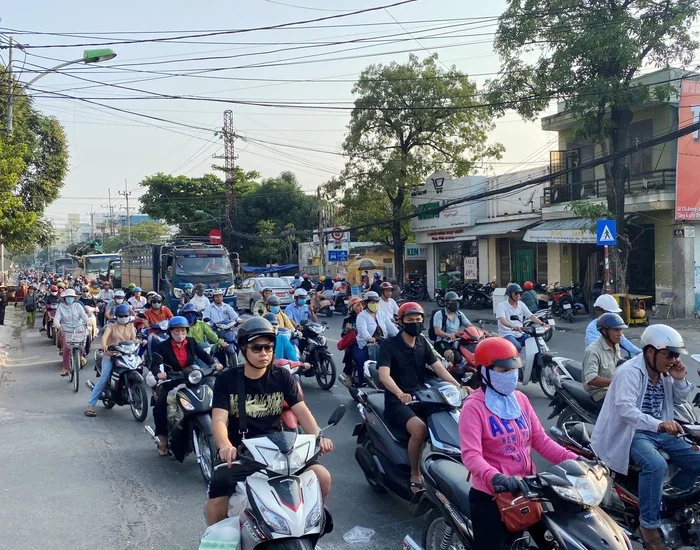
518 513
347 340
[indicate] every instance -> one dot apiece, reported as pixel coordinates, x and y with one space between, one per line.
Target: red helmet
410 307
53 288
353 302
527 285
497 352
305 276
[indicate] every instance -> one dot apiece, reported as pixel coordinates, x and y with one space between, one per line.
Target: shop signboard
688 156
416 251
471 268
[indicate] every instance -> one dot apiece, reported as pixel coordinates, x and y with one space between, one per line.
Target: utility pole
110 217
126 193
321 235
10 93
231 216
92 223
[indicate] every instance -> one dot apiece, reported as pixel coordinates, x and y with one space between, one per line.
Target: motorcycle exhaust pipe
149 430
90 385
410 544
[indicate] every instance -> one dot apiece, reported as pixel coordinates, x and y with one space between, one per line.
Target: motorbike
160 332
440 296
126 385
314 350
356 389
189 415
340 305
480 298
539 364
463 367
680 508
381 450
561 303
576 292
416 290
49 314
281 506
544 315
570 494
225 331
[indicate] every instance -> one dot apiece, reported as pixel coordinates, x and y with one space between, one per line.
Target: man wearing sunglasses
511 315
636 422
266 389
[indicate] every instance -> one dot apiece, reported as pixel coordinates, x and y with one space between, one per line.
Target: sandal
416 487
90 413
162 451
64 373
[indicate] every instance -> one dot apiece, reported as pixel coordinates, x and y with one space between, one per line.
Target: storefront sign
688 156
687 231
416 251
569 236
471 268
444 235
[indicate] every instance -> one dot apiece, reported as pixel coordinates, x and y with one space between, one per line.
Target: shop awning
498 228
574 230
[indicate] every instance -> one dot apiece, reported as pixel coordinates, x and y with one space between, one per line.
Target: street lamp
203 213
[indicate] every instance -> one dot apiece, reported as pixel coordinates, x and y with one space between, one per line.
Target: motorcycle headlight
177 292
230 291
591 487
195 377
568 493
314 517
281 463
322 340
276 522
186 404
451 394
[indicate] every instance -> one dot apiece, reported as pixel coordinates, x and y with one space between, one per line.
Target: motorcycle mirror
696 356
337 415
157 358
206 319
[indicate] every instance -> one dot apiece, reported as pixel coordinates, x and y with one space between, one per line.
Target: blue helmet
189 308
178 322
122 311
188 286
137 289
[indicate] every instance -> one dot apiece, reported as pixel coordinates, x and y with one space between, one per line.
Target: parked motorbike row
564 302
473 295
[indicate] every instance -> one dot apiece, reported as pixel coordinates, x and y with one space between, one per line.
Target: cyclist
70 317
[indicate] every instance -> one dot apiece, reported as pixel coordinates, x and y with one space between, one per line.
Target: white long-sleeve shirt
201 302
366 325
71 318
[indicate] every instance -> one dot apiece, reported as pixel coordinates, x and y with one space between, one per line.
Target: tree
410 120
143 232
587 53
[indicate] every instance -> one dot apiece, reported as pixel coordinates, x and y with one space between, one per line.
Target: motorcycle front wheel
436 533
325 372
547 380
440 301
75 368
207 450
139 401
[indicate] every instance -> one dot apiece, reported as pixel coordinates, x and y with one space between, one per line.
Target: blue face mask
500 395
302 302
70 300
275 309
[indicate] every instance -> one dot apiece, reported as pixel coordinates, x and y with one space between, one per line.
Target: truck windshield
98 263
203 264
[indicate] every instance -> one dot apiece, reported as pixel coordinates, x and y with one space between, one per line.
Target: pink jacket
492 445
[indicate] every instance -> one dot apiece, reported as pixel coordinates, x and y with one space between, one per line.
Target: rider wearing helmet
296 281
274 306
178 352
636 423
355 307
106 294
529 296
328 282
157 312
386 303
266 388
219 312
199 330
199 299
498 429
260 306
306 283
137 302
51 298
402 364
447 322
602 356
86 298
130 290
373 325
122 330
511 315
111 307
187 294
70 317
605 303
298 310
376 285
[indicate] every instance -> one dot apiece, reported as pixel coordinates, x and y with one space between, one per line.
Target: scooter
288 418
569 493
544 315
49 314
126 385
371 384
463 366
539 364
340 305
314 350
279 505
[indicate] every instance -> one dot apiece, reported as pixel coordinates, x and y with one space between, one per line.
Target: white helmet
119 294
300 293
607 303
663 337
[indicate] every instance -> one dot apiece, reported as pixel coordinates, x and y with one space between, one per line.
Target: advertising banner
688 157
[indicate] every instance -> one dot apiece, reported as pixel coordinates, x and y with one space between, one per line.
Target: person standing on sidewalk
4 300
29 303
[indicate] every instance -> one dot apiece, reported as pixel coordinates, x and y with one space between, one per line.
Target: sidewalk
9 338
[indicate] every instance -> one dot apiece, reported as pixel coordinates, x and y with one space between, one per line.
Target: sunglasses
518 293
157 301
257 348
671 355
122 316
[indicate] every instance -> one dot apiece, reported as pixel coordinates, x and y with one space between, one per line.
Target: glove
505 484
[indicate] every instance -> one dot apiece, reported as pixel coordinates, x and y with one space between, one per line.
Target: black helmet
274 321
451 296
610 320
513 287
273 301
253 328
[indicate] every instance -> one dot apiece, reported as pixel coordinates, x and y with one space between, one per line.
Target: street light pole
203 213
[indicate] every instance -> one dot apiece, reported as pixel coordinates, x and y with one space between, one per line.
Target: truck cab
96 266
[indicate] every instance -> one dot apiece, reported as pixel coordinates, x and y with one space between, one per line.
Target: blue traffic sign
337 255
606 232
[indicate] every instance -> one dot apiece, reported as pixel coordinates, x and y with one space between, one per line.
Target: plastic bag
238 501
224 535
358 535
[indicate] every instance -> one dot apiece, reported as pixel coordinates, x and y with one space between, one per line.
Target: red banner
688 157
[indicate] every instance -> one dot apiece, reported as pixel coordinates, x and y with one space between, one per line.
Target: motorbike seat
374 373
451 480
376 401
579 394
575 369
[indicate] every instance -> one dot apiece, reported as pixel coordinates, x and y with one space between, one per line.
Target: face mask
504 382
179 338
119 300
156 305
122 320
302 302
191 319
373 307
275 309
452 307
54 293
413 329
70 300
500 397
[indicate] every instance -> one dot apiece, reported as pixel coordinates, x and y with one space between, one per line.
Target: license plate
566 306
332 307
551 322
550 302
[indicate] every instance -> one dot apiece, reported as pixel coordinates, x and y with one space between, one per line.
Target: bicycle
76 341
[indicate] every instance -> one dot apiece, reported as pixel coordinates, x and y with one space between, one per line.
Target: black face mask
413 329
453 306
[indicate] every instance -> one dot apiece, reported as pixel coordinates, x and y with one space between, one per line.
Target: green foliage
113 244
144 232
410 120
590 211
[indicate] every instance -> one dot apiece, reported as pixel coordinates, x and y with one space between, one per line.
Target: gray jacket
71 318
622 412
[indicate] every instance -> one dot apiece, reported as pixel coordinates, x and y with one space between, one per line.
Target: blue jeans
107 365
360 356
518 342
645 454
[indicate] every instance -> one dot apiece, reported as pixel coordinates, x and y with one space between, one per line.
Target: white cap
68 293
607 303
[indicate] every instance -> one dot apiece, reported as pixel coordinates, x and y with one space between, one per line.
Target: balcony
637 184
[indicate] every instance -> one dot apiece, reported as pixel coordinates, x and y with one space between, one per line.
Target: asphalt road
71 483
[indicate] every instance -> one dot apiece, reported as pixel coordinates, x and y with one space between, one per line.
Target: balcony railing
638 184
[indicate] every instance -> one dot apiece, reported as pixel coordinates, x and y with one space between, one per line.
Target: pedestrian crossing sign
606 232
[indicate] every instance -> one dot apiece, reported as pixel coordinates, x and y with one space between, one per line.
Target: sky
119 135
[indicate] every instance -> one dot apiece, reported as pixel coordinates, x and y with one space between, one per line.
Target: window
641 161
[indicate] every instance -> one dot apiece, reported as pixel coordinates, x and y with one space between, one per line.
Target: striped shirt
654 400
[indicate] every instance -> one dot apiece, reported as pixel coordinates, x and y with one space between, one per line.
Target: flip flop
416 487
64 373
91 414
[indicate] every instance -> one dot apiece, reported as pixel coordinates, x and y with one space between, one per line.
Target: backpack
431 328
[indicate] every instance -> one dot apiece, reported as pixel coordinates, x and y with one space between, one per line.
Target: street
77 483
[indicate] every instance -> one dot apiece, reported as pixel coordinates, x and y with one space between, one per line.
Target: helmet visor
510 363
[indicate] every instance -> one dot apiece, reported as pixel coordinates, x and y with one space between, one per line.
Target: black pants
347 361
489 531
2 315
160 411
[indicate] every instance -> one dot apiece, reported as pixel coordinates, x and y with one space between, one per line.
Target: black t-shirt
264 399
306 285
407 365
